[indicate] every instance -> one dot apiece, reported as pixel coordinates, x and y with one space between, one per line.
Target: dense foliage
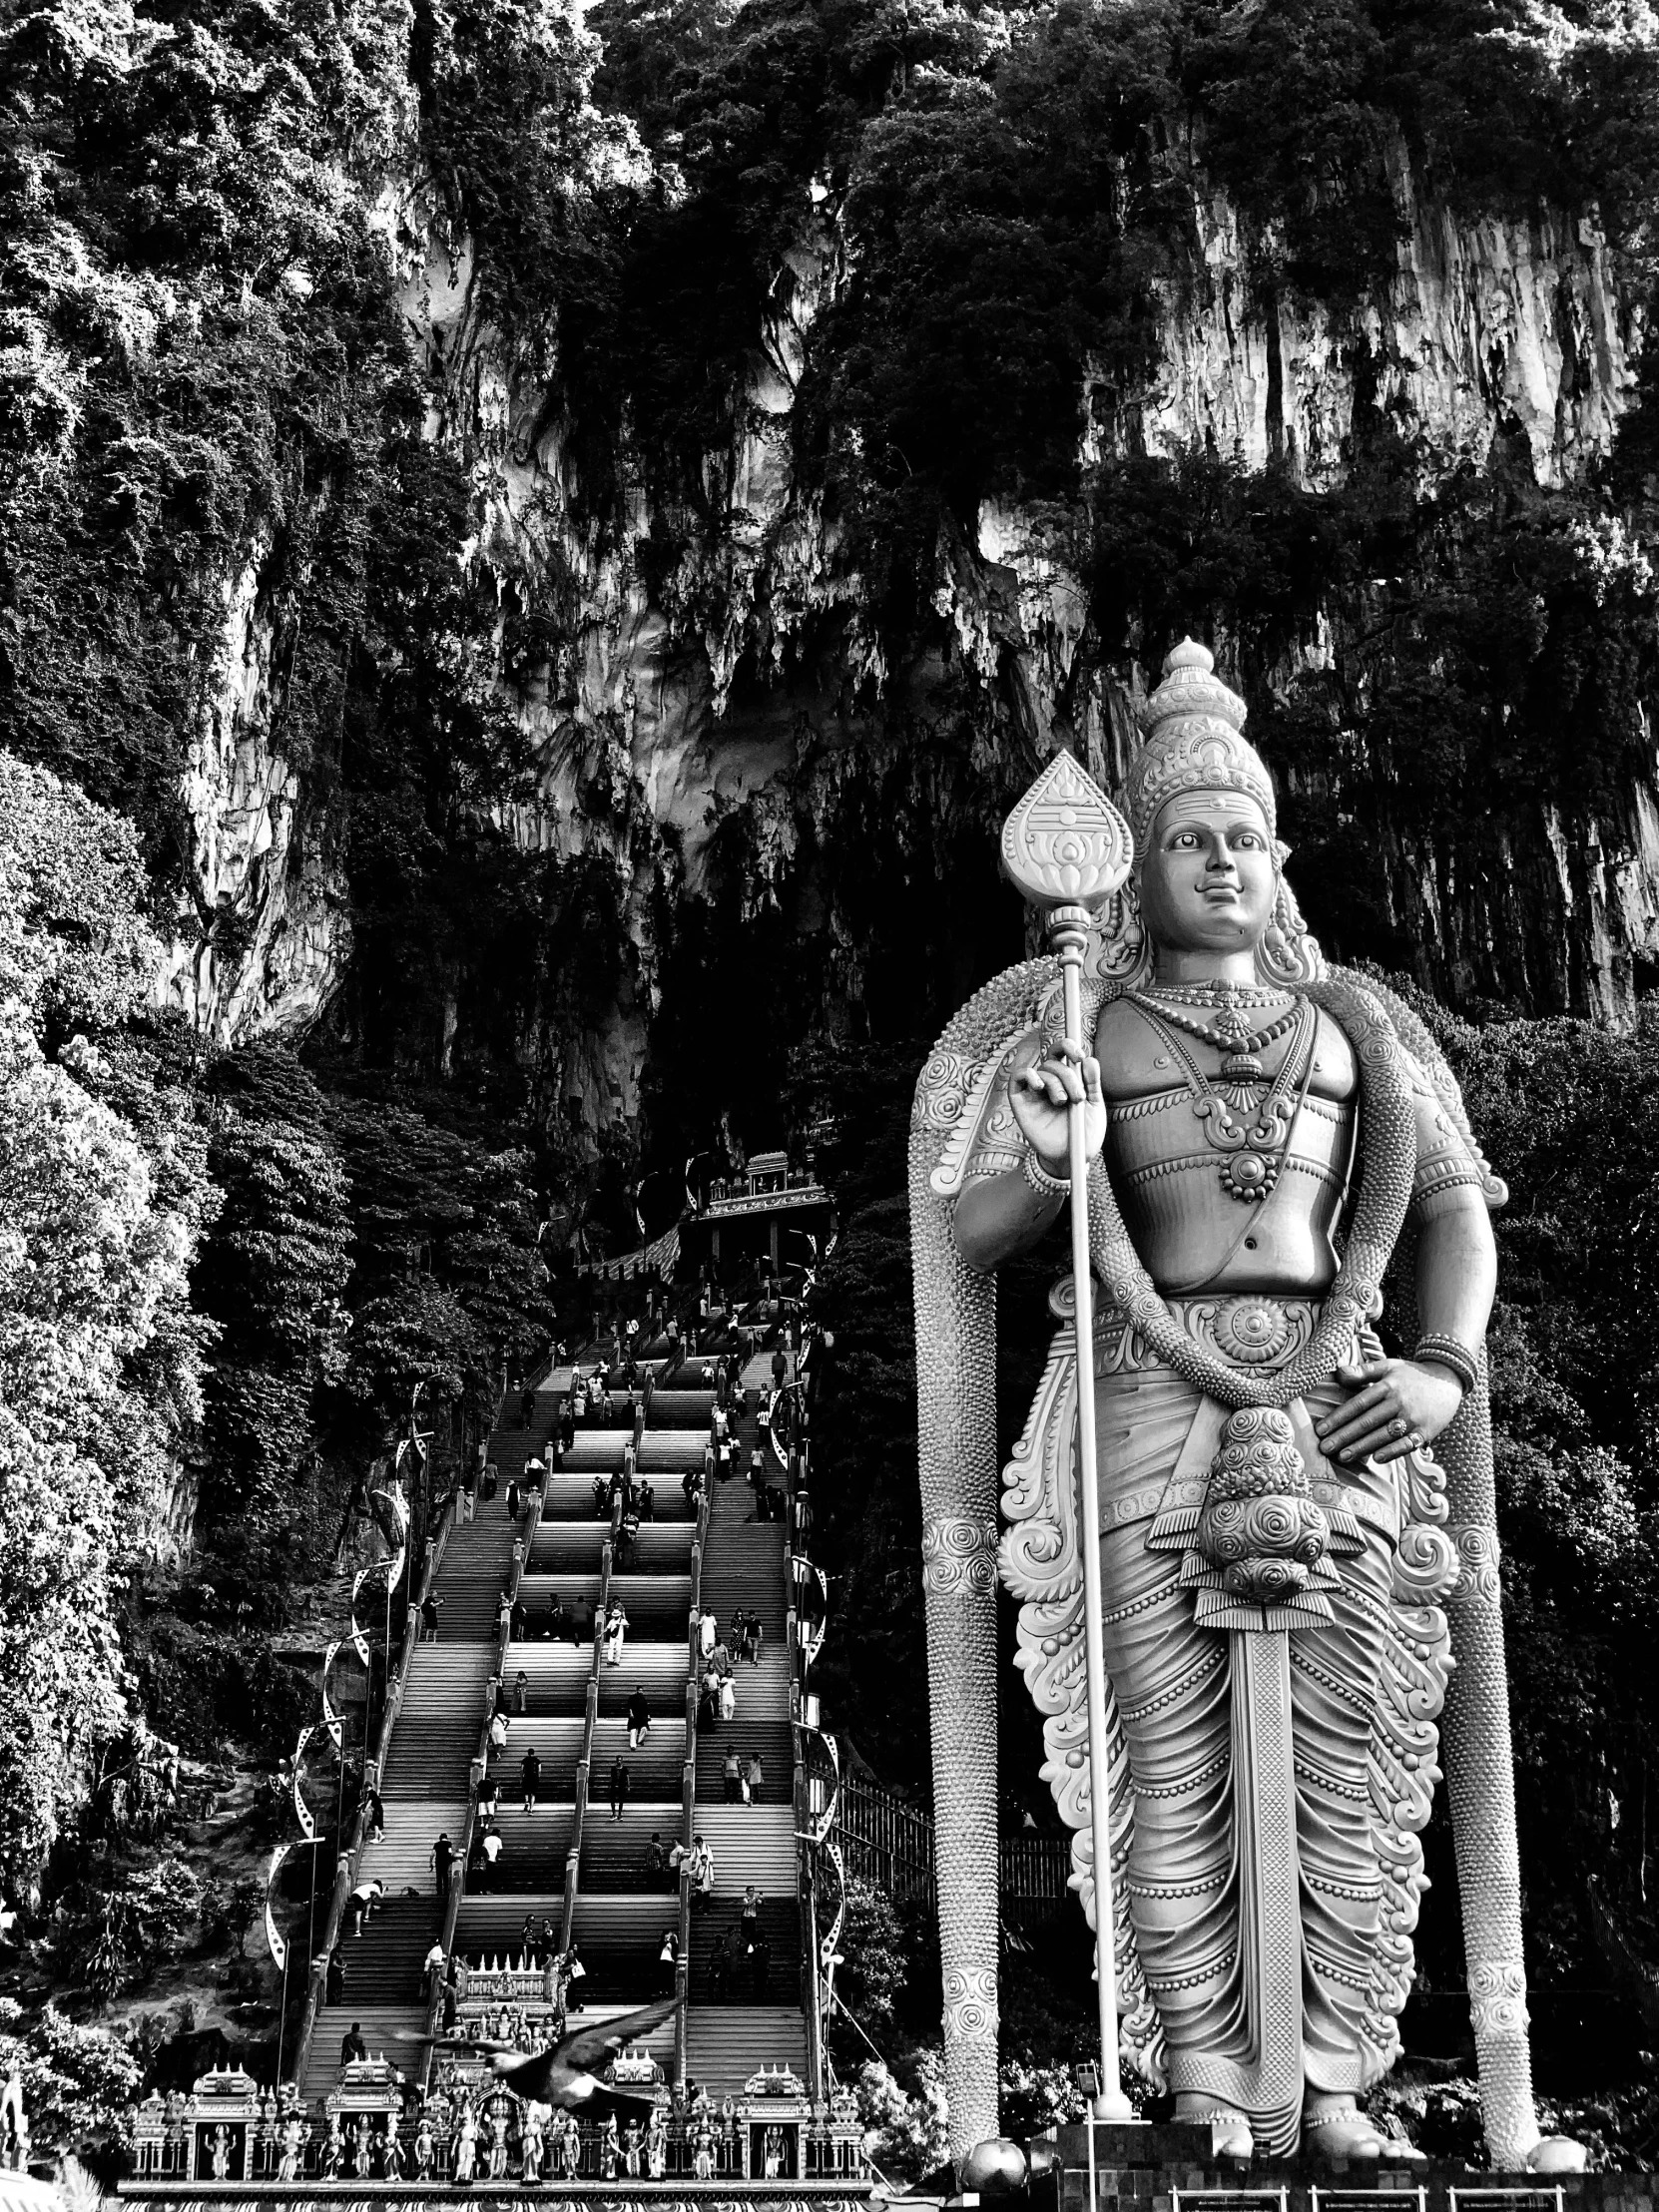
100 1356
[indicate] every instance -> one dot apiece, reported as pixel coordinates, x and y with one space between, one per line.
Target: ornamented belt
1251 1331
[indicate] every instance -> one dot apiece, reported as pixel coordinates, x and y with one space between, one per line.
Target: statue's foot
1337 2131
1556 2155
1230 2135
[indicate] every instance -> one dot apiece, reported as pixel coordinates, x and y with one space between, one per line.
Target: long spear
1066 846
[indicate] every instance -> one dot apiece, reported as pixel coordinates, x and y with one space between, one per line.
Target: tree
273 1276
80 2084
94 1262
449 1282
147 1914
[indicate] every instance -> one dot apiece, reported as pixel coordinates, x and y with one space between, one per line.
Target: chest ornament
1245 1118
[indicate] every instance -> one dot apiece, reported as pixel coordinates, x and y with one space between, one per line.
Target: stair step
616 1854
751 1842
565 1548
390 2030
726 2044
656 1770
413 1827
677 1408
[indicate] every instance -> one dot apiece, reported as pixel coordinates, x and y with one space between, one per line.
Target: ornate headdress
1193 742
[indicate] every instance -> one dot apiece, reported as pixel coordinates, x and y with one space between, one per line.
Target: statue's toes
1230 2135
1556 2155
1398 2152
1344 2135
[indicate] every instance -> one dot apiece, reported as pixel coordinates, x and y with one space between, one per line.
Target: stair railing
475 1778
807 1823
590 1722
346 1873
688 1784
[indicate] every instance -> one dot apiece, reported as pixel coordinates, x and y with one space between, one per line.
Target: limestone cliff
729 730
745 704
261 925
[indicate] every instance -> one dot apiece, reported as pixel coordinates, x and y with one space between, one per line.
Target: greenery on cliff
237 480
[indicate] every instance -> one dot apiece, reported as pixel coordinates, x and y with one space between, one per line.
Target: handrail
806 1871
590 1721
346 1875
475 1778
805 1891
812 1983
682 1977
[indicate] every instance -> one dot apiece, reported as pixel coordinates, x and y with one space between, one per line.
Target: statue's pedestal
1172 2166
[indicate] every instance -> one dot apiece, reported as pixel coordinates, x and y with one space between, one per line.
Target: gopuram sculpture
1296 1548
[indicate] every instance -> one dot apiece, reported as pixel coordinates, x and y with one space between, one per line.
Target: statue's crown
1192 726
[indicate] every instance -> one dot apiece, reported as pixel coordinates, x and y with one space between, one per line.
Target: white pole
1068 931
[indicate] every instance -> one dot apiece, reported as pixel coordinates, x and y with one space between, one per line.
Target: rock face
260 932
730 737
1488 325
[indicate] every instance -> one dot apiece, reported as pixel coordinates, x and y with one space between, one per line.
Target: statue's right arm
1001 1211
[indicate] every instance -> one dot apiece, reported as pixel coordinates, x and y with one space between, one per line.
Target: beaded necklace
1230 1033
1253 1149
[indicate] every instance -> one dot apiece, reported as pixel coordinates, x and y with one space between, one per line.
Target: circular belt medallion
1251 1330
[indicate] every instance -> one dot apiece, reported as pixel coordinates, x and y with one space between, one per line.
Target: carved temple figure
1297 1528
571 2147
293 2133
702 2147
656 2145
466 2142
530 2142
333 2152
633 2149
497 2155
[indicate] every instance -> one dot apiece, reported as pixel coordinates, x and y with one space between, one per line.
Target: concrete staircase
424 1788
615 1914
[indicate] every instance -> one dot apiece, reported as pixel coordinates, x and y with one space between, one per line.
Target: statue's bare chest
1230 1163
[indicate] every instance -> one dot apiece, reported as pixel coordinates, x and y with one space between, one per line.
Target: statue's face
1208 882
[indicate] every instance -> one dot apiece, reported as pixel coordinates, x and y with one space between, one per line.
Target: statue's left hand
1399 1406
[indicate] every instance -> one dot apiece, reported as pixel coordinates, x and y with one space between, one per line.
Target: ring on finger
1415 1441
1397 1426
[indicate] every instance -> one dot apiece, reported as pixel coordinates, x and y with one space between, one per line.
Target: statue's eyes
1249 840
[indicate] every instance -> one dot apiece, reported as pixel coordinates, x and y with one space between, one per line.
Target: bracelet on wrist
1039 1180
1447 1352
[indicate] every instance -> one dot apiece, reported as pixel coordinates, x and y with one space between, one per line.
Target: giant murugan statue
1296 1533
